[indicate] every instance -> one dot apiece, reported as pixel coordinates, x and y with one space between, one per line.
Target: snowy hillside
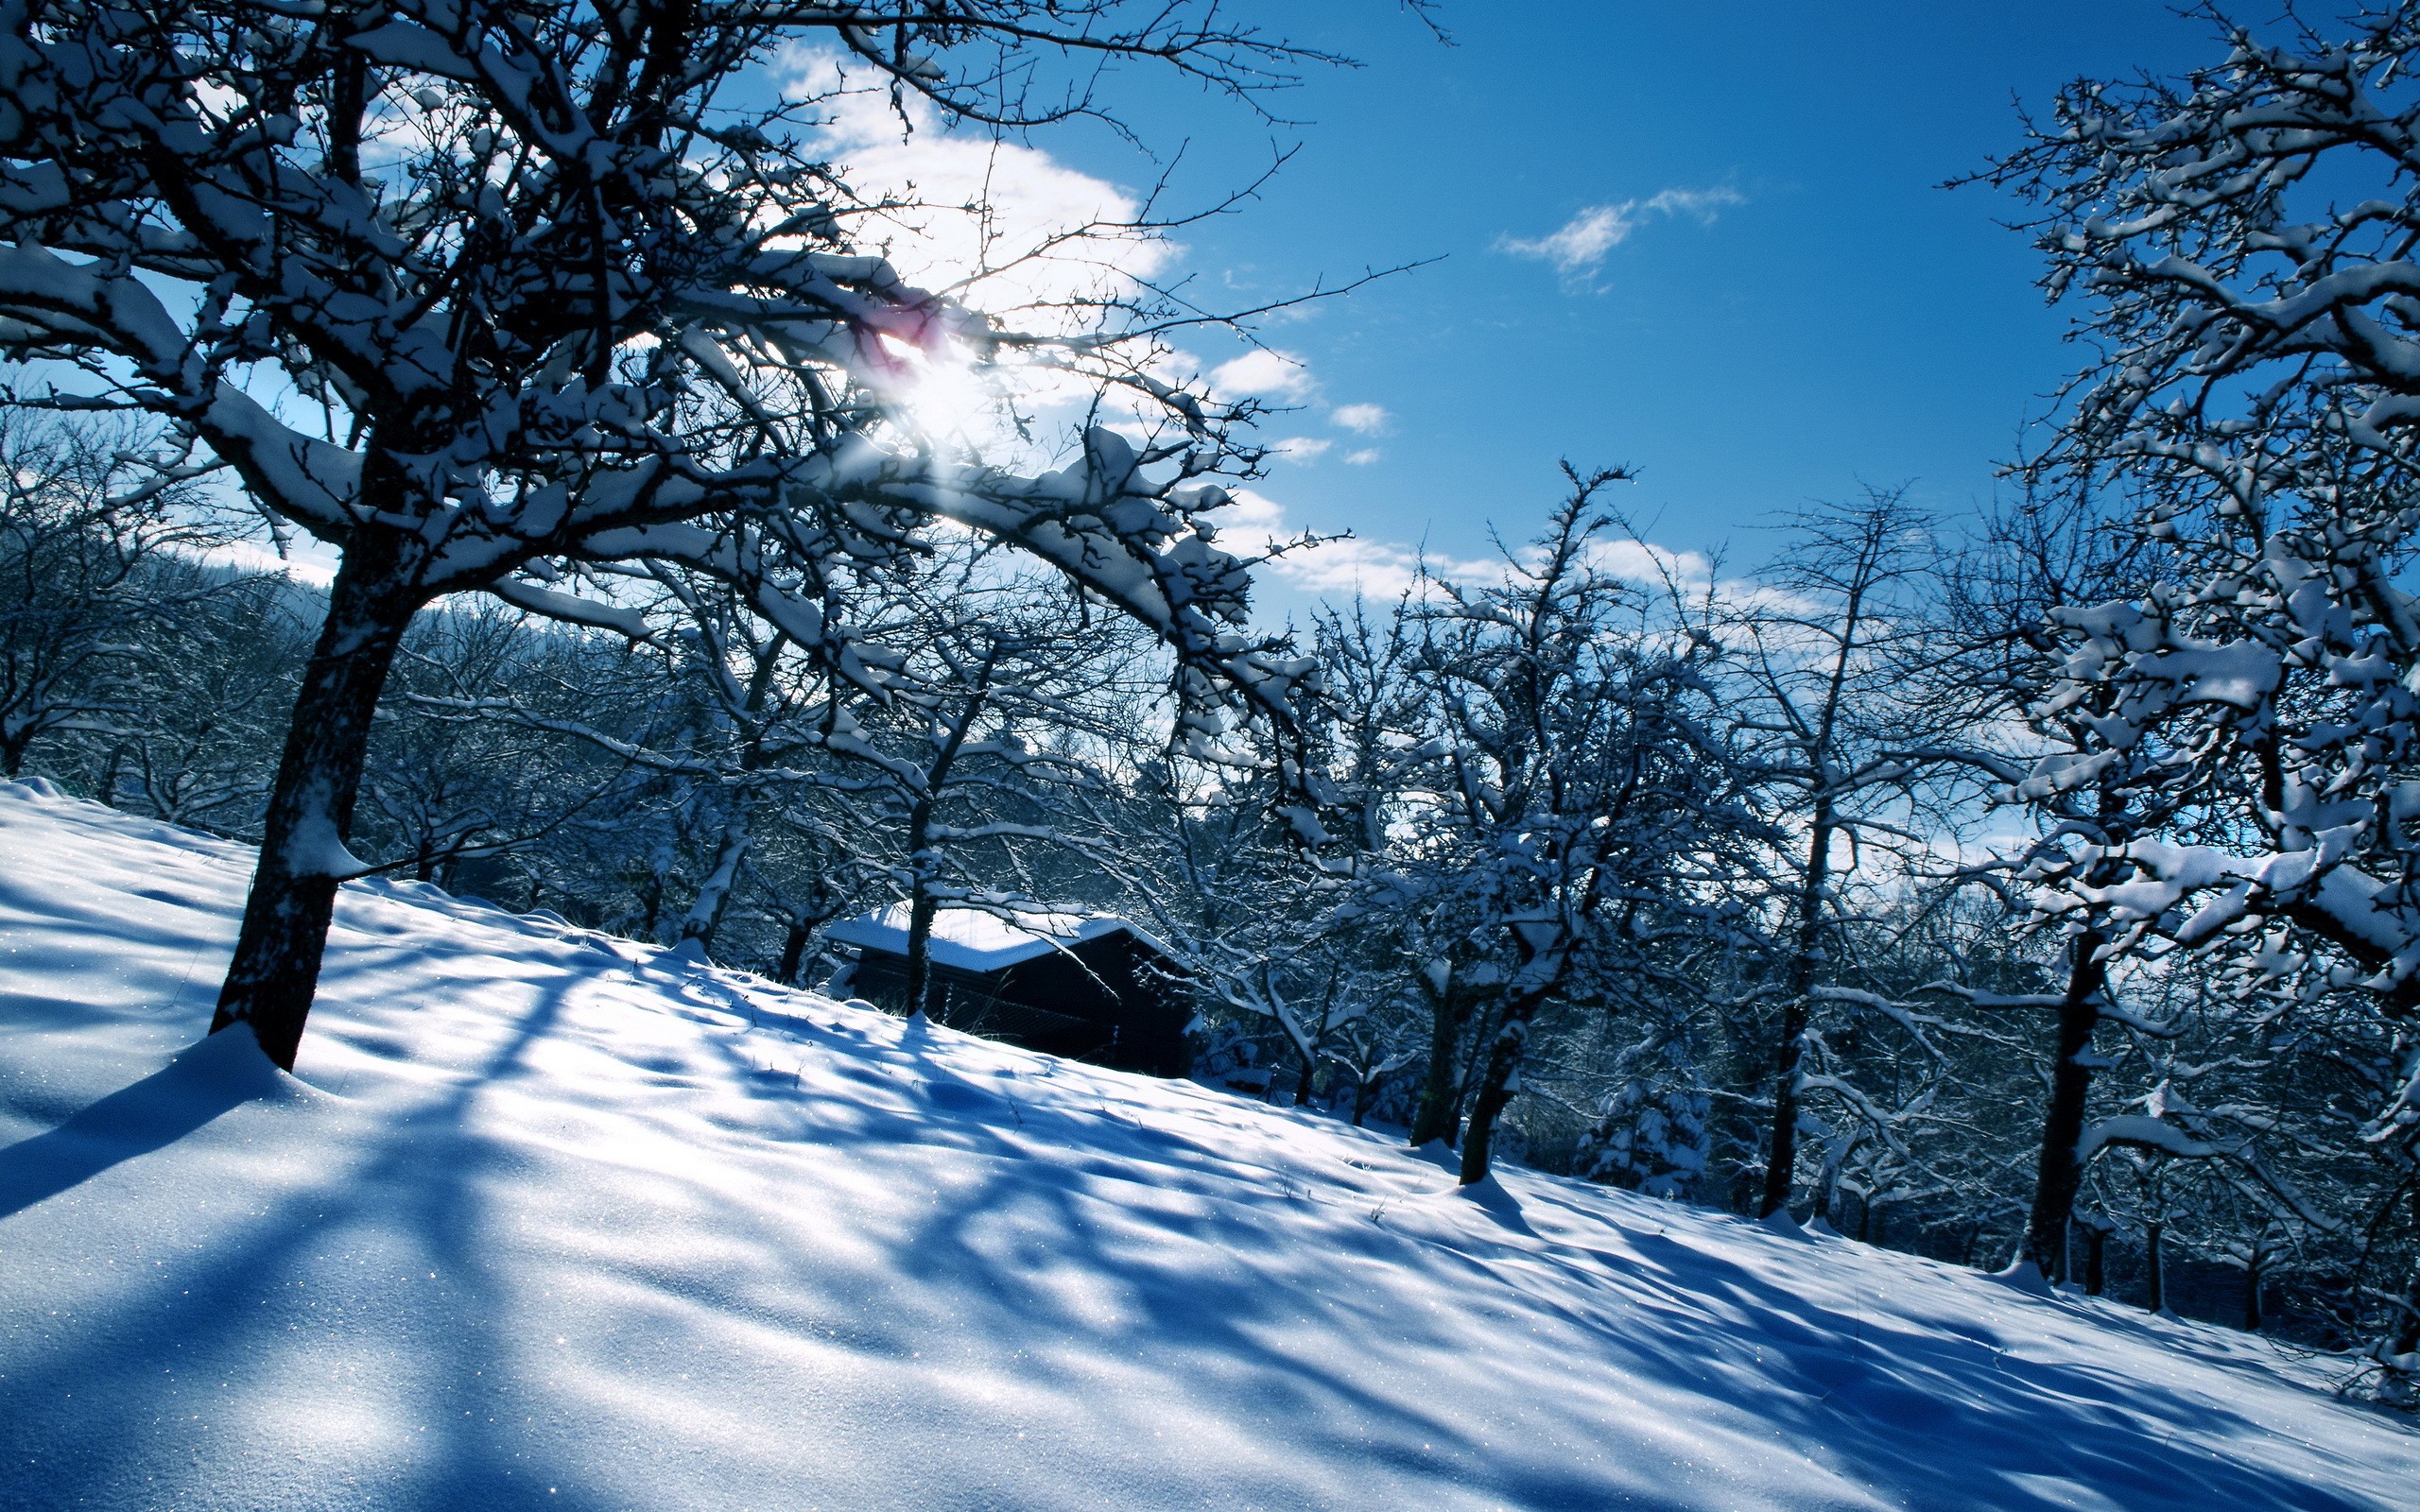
552 1219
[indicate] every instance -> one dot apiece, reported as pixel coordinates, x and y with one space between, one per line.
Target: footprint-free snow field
550 1219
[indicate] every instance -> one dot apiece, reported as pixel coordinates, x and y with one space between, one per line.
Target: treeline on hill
1612 861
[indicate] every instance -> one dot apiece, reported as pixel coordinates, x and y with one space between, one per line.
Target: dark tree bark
1496 1085
922 866
704 919
2096 1247
793 951
2059 1171
1305 1069
1365 1091
921 909
1438 1116
276 965
1781 1164
2155 1264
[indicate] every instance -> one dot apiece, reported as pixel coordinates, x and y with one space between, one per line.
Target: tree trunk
110 770
1497 1085
1781 1164
654 896
921 908
714 894
2059 1174
275 971
2156 1301
2407 1332
2252 1278
1436 1117
793 951
1305 1068
2401 1345
2096 1247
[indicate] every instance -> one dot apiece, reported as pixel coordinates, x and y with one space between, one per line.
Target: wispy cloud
1367 419
1577 249
1362 457
1301 448
1375 569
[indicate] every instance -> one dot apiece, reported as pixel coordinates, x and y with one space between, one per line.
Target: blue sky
1800 312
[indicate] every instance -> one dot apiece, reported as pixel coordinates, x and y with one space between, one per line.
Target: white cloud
1301 448
1010 228
1254 524
1362 457
1639 561
1369 420
1266 372
1004 228
1578 248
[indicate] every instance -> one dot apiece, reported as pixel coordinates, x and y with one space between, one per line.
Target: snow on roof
969 940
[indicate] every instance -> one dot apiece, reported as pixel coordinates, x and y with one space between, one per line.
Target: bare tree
96 556
1823 651
2238 240
485 295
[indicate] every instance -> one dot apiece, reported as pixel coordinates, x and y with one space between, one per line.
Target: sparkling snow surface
554 1220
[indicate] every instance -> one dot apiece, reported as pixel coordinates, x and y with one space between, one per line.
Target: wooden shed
1087 987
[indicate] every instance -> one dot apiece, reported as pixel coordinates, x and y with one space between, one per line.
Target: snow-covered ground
550 1219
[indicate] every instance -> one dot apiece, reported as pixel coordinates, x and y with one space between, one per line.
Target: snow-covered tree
485 293
94 562
1824 649
1581 800
2240 241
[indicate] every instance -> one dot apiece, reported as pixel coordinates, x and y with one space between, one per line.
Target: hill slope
555 1220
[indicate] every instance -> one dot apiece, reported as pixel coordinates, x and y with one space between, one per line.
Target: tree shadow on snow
204 1081
1090 1227
236 1312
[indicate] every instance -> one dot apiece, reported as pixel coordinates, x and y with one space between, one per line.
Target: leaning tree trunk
705 911
1499 1082
1781 1165
276 967
924 863
2059 1170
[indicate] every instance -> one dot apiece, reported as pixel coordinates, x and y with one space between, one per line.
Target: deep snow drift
554 1220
